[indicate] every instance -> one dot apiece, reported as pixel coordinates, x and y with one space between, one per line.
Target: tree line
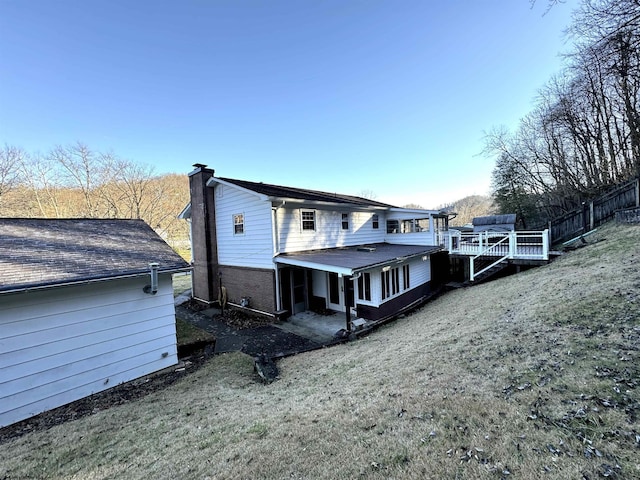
583 134
74 181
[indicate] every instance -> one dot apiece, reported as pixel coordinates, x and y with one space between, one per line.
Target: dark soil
234 317
241 320
118 395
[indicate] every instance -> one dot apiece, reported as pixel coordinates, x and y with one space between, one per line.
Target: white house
79 309
283 250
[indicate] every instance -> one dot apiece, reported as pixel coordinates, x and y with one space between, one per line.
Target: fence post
638 191
592 220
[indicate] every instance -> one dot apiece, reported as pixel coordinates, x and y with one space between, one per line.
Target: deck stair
487 267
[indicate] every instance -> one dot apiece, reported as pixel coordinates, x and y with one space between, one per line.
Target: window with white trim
375 221
390 281
345 221
364 287
238 223
308 220
405 276
384 281
395 281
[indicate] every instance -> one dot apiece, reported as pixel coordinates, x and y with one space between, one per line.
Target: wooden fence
595 212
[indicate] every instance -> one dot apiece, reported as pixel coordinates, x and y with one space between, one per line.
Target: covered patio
361 283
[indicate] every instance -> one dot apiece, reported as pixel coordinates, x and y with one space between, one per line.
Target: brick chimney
203 235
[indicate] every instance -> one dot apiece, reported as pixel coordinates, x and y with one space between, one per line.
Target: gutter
87 281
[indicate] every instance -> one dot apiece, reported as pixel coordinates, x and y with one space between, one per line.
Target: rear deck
500 247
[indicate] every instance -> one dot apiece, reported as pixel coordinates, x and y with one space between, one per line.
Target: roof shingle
304 194
35 253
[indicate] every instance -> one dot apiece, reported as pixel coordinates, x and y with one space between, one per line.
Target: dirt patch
233 317
243 320
118 395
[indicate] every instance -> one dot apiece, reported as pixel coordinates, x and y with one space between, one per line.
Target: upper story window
308 220
375 221
409 225
345 221
238 224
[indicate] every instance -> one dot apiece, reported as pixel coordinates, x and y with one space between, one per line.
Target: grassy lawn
530 376
181 283
187 333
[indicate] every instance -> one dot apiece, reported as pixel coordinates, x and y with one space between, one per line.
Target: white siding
63 344
415 238
419 274
253 248
328 232
427 237
319 281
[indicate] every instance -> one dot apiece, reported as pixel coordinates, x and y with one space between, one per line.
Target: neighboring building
78 311
495 223
283 250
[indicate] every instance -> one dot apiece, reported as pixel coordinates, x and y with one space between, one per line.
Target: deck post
545 244
513 241
346 280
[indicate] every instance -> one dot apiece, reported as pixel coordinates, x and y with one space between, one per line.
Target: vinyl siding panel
328 232
254 247
419 274
62 344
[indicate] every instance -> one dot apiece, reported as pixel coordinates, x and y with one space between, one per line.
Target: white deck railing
502 245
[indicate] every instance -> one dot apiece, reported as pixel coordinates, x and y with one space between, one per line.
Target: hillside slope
533 375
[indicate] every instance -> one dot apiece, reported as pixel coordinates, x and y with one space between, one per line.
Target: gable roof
281 192
38 253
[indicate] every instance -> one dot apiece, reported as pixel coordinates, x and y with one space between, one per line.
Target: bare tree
368 194
10 160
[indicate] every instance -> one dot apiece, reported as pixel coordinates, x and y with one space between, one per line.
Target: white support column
545 244
513 243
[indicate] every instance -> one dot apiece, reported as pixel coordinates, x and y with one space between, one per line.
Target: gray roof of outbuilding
358 257
38 253
278 191
506 218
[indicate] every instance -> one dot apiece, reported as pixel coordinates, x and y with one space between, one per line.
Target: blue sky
387 96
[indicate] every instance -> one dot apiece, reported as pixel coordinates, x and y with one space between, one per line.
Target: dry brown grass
534 375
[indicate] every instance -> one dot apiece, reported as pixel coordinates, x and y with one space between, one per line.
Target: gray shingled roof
304 194
36 253
358 257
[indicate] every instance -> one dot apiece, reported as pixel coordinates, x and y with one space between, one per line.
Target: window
364 287
308 220
405 276
390 280
384 278
238 224
345 221
375 221
392 226
395 281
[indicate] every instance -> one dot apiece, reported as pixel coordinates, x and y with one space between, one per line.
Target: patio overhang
349 261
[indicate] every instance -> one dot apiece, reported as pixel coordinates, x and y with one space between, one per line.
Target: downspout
276 249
